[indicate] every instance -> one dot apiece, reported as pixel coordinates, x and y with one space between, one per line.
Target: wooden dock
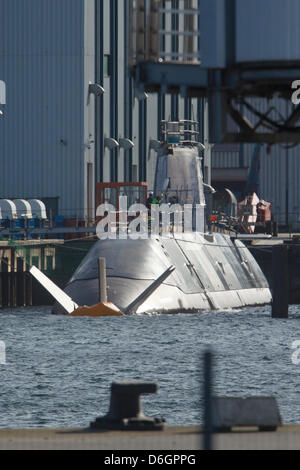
17 287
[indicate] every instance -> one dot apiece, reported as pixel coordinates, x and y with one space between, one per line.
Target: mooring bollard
125 411
208 402
280 287
102 280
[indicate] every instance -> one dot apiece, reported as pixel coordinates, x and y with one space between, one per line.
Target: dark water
58 370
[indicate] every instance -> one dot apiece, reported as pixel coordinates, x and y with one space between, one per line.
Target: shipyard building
74 117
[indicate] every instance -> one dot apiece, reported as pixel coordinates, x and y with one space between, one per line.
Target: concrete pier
172 439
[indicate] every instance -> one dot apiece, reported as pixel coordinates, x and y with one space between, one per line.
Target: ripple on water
59 370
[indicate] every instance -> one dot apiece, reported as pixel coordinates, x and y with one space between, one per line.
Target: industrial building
75 115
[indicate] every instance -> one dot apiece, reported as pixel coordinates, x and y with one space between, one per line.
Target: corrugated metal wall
267 30
42 135
52 137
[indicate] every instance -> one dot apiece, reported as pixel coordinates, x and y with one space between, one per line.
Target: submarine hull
212 272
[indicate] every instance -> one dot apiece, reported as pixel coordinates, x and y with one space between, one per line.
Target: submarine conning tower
178 174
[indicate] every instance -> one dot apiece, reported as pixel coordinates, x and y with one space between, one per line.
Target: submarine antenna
144 296
60 296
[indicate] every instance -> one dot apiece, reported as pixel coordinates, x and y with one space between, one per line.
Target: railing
184 132
165 31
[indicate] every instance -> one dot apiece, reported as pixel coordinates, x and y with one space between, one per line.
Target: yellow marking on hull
103 309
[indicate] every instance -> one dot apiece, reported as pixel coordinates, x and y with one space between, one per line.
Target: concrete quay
171 438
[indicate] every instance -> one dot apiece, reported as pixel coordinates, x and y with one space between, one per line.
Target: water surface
59 370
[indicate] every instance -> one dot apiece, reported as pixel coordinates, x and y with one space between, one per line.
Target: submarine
210 271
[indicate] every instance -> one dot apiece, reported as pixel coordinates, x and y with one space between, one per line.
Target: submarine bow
212 272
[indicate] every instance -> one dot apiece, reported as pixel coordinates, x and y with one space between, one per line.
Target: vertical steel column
241 151
280 281
4 275
230 31
287 183
102 279
208 398
9 278
128 93
161 112
200 100
13 278
99 109
142 140
200 118
162 97
143 121
114 44
207 151
187 115
175 48
29 297
187 108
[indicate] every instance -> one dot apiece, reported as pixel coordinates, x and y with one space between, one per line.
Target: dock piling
4 275
29 298
13 276
1 290
21 288
208 402
280 273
